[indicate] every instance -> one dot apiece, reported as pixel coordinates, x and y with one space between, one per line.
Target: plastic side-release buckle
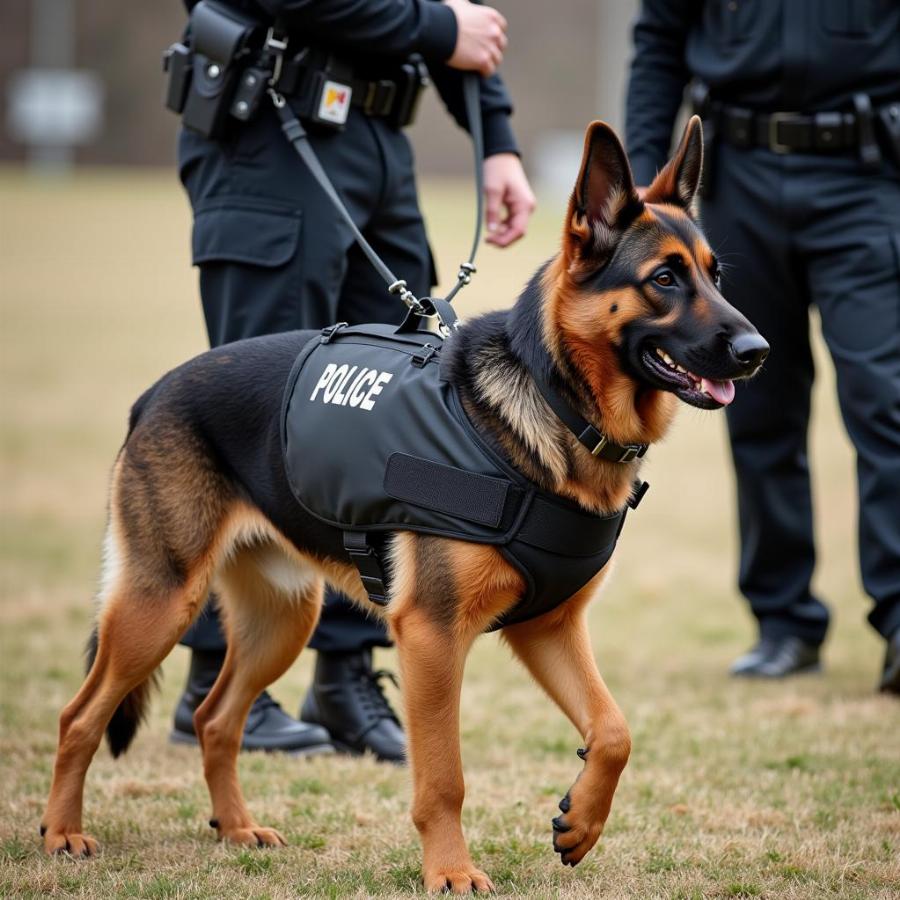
422 356
367 563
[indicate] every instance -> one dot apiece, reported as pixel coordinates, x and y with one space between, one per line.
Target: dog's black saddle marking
376 441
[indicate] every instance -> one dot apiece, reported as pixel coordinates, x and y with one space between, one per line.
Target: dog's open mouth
664 372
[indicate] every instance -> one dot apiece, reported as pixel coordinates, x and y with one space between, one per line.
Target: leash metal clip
407 296
276 46
466 271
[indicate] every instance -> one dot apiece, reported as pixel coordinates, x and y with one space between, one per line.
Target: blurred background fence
113 50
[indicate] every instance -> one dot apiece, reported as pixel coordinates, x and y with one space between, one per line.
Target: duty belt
794 132
393 98
787 132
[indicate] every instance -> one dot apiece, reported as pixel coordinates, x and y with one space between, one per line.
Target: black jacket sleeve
659 74
389 27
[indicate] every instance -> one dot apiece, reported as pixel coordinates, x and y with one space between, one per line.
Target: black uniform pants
274 256
792 231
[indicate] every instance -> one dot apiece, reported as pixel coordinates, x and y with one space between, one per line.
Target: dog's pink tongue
720 391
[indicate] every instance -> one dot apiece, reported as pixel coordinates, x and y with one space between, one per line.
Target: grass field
733 790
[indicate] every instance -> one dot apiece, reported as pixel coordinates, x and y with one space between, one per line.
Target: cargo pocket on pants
243 230
251 270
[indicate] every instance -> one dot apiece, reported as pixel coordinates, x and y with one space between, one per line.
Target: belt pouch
220 40
177 64
412 79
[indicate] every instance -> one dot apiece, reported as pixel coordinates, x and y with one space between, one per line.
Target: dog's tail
130 712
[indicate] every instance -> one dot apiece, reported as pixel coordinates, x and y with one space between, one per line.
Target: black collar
596 441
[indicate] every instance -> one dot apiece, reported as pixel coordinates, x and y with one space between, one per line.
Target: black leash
299 139
472 96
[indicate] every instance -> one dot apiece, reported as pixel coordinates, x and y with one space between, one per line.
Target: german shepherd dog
631 315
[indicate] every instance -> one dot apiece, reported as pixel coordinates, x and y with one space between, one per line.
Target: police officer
801 107
274 256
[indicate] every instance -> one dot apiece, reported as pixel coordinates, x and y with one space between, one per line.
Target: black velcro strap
370 567
567 531
445 489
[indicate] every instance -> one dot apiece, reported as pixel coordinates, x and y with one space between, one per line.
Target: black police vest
375 441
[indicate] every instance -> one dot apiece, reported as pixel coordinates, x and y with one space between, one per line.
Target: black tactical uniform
801 102
274 255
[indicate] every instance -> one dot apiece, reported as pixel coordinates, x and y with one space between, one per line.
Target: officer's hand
506 188
480 38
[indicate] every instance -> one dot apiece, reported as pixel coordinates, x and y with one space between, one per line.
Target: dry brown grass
734 790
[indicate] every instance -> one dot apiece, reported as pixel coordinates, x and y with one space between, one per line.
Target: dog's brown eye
665 279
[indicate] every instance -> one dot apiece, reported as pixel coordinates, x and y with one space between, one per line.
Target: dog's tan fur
177 529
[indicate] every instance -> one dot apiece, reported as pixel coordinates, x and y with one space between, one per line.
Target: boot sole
179 737
811 669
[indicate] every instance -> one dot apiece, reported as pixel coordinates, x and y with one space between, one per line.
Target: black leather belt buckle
828 131
782 132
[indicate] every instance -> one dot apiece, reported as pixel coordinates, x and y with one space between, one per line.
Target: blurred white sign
54 106
556 158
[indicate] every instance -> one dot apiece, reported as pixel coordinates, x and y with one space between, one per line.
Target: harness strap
369 564
595 440
554 526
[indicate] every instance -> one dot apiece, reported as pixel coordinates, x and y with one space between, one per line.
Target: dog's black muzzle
694 361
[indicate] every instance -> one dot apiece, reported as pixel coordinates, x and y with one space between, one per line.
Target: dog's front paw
457 880
58 842
251 836
575 831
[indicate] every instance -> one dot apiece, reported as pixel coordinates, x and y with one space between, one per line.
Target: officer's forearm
656 84
389 27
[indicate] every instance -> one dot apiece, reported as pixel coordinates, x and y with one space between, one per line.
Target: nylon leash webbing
299 140
472 96
296 134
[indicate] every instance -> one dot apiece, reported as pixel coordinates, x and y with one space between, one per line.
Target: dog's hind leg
267 622
135 632
556 649
168 508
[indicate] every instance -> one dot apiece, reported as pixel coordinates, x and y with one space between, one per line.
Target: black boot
268 726
890 675
777 657
346 698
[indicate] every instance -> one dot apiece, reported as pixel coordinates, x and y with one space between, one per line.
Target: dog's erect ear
604 201
678 181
